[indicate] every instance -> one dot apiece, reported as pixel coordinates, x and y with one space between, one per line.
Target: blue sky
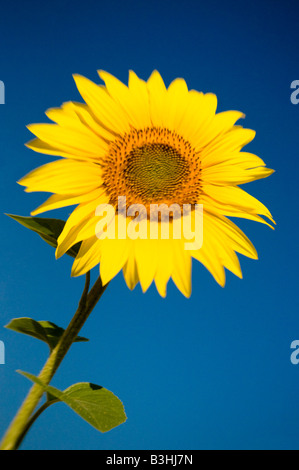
209 372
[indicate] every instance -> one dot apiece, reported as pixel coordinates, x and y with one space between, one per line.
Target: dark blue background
211 372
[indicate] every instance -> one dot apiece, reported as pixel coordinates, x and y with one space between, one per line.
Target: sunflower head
165 153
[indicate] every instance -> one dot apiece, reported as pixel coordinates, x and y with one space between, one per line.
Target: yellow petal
230 232
57 201
130 270
146 260
140 95
80 225
78 141
64 116
243 160
181 273
165 265
210 259
107 111
226 254
219 125
198 116
157 98
234 175
226 144
117 90
230 211
84 230
43 147
113 258
82 114
232 197
177 103
88 257
64 177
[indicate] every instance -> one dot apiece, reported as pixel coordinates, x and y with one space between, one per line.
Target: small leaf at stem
44 330
48 229
96 405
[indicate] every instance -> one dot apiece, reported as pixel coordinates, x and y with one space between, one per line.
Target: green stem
32 420
87 303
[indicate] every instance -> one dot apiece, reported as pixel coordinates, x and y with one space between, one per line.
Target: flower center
154 171
152 166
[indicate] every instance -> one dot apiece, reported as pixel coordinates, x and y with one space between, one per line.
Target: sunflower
152 146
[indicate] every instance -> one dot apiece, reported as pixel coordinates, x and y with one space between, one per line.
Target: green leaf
44 330
96 405
48 229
